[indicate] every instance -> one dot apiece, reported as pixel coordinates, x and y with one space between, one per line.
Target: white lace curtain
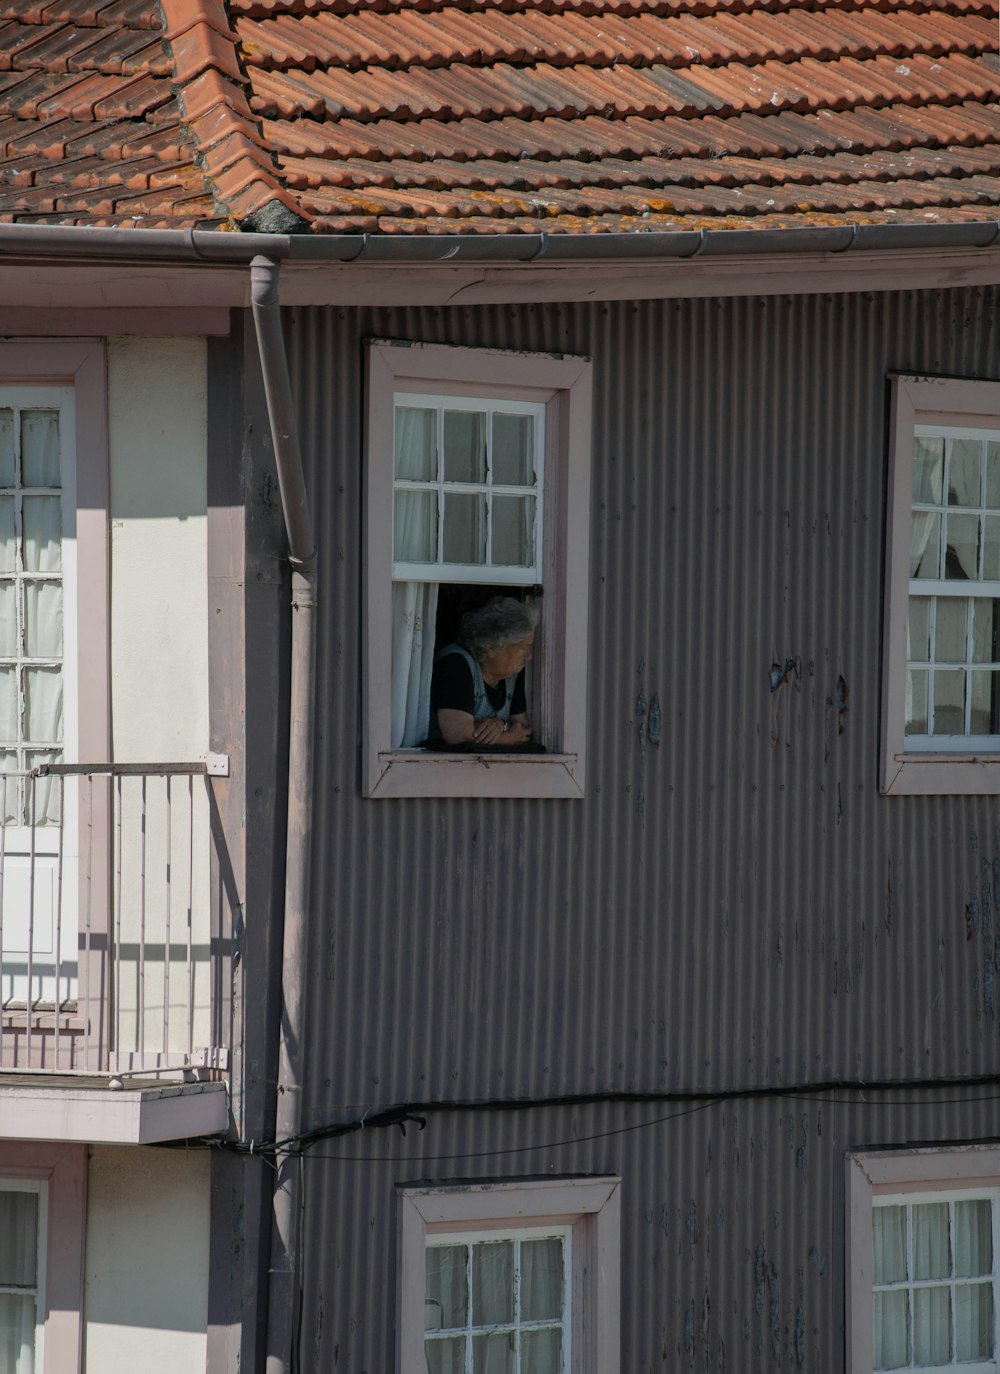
414 604
18 1269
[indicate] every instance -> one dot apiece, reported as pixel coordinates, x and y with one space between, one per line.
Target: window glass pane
10 797
512 450
973 1238
964 470
541 1351
925 545
8 535
513 531
18 1239
541 1279
949 632
889 1235
993 474
918 644
464 446
43 625
464 528
8 619
961 555
916 708
446 1300
17 1333
9 712
445 1356
974 1321
991 547
928 470
7 478
40 448
416 459
41 523
47 791
931 1325
891 1329
931 1241
493 1354
43 704
492 1282
414 532
985 630
949 702
985 719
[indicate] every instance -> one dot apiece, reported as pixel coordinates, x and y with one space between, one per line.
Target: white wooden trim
591 1207
912 767
892 1172
563 386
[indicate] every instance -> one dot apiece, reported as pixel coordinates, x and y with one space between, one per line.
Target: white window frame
915 766
58 1173
903 1175
588 1208
562 385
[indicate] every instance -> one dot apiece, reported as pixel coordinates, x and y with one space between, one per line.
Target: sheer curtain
18 1268
414 604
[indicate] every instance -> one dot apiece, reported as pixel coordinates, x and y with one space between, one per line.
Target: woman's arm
458 727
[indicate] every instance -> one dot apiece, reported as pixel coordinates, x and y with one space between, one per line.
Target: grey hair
500 622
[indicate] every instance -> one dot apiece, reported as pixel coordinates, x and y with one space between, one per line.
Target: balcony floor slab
85 1110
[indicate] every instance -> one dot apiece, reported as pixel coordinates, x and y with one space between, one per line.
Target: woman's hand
490 731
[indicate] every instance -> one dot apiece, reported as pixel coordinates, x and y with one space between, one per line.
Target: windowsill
918 773
416 773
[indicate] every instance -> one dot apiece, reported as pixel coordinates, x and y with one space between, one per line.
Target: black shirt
452 689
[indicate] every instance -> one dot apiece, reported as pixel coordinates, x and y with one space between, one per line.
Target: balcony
112 959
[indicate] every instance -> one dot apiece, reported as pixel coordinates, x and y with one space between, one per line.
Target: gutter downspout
303 558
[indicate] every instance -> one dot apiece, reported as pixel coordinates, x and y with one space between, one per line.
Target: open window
941 668
478 475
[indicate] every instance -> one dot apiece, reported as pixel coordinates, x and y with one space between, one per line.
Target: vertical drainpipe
282 1288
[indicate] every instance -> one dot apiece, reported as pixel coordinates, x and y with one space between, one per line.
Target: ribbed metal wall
733 906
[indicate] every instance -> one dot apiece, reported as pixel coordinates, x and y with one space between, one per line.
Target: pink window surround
563 386
64 1169
949 402
81 364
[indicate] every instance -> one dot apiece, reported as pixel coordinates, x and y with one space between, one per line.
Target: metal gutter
205 245
302 555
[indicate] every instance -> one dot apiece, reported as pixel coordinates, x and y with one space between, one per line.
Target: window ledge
946 774
414 773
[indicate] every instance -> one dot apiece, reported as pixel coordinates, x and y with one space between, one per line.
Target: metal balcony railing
109 948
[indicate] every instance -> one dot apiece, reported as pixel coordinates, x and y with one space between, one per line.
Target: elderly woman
477 691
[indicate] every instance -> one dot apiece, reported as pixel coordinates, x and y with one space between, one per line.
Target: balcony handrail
211 765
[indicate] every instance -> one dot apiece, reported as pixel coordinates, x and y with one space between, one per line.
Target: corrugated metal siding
732 906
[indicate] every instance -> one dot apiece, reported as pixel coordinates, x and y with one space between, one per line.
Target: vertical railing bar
190 919
117 962
141 1045
3 865
31 915
57 1001
83 984
166 934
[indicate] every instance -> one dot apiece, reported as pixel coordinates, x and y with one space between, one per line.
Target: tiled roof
500 116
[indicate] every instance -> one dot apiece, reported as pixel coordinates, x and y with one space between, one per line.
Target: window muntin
934 1299
498 1302
23 1225
467 490
953 613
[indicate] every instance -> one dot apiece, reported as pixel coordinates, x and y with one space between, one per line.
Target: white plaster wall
145 1302
157 404
157 408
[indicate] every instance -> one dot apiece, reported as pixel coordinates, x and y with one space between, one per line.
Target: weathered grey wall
731 906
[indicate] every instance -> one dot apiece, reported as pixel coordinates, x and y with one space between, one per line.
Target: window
941 693
478 475
510 1276
924 1237
42 1199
